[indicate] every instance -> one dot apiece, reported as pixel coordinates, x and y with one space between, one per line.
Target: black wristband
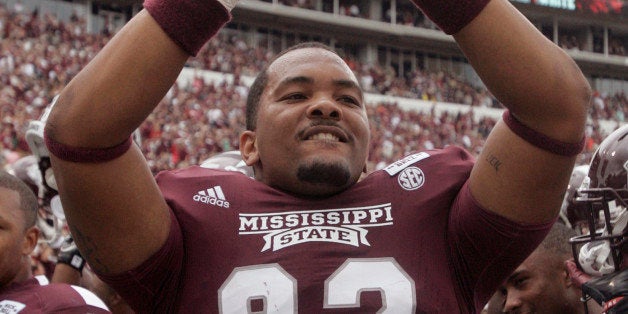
71 256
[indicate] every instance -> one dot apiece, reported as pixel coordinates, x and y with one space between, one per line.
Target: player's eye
293 97
350 100
520 282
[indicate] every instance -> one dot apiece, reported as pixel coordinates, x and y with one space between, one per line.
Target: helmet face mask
601 251
48 178
601 246
573 213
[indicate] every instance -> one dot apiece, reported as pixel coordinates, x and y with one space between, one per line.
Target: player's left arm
546 93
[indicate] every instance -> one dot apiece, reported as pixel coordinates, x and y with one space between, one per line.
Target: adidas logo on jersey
212 196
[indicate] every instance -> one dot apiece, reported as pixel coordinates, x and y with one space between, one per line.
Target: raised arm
523 176
115 210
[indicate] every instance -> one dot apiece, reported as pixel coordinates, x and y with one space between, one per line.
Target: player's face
14 243
538 285
312 131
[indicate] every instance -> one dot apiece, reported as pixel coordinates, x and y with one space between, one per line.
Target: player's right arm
116 213
114 208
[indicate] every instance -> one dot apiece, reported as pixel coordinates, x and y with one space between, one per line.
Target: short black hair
260 82
28 200
557 240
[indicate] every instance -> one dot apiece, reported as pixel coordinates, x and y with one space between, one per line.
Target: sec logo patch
411 178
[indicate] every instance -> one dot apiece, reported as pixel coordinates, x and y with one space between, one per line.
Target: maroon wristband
85 155
540 140
451 15
190 23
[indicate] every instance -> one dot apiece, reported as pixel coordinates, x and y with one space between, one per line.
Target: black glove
609 291
69 254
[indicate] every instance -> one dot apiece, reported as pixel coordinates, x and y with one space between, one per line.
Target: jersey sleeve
92 304
154 283
38 296
486 248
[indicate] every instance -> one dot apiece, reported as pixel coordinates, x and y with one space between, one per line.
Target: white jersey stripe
42 280
90 298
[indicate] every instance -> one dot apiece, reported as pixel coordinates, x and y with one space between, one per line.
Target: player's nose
324 108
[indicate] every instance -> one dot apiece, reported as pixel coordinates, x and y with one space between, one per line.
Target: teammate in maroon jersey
541 284
434 232
20 292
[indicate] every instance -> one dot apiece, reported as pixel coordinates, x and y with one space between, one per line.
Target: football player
67 266
50 218
541 284
20 291
436 231
602 253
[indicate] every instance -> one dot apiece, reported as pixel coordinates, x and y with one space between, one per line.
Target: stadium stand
420 99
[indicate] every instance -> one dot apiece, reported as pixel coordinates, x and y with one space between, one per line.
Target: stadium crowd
39 54
406 14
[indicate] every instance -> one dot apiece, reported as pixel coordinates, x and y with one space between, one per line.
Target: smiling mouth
324 137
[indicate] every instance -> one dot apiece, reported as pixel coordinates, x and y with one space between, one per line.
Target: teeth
324 137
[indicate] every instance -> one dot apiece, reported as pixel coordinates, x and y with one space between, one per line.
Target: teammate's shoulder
68 295
195 171
36 295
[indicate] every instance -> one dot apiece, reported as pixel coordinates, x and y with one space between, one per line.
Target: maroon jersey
32 296
406 239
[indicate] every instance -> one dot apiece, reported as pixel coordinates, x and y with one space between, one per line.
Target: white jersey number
277 289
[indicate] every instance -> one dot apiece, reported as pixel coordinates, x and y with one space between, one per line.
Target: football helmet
229 160
35 139
50 217
572 212
604 192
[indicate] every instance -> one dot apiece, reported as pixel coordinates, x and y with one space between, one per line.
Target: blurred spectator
303 4
617 46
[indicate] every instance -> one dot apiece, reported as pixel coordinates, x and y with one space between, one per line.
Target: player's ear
248 148
566 277
30 240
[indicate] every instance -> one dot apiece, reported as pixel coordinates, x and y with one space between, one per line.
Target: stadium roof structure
554 16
